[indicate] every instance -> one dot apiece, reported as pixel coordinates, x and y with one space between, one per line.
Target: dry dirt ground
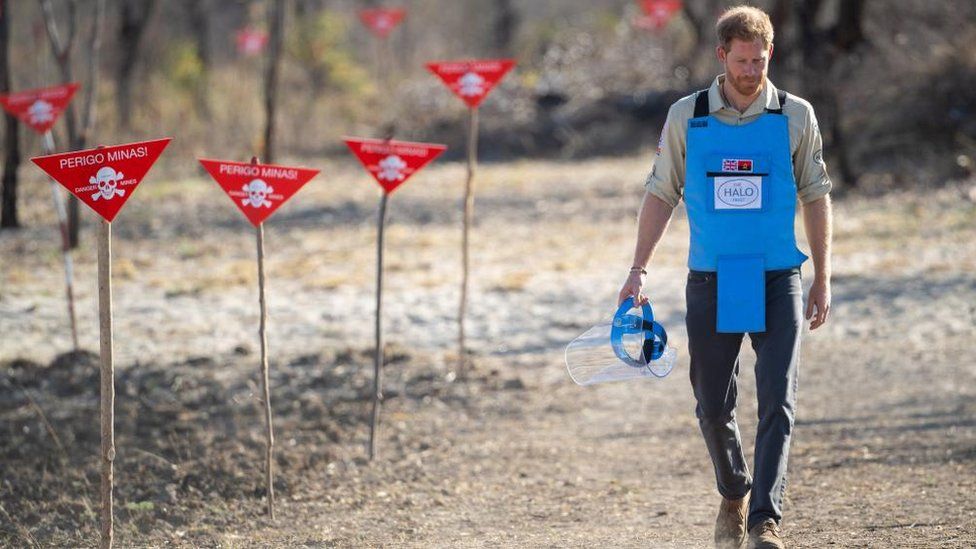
515 455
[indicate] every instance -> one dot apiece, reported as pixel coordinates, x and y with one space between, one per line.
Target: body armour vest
741 199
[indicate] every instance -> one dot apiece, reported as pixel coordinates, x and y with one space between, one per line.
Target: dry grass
329 282
516 281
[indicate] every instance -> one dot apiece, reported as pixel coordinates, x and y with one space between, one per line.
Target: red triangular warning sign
103 178
471 80
251 41
382 21
657 13
39 108
257 189
390 162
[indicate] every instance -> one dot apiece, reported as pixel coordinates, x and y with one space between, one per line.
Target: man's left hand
818 302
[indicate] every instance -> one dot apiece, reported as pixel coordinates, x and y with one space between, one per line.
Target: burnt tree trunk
849 31
200 13
504 28
700 59
277 23
134 18
90 114
11 160
821 50
306 12
784 63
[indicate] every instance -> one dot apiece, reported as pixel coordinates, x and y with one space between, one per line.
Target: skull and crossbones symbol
384 22
257 194
107 180
391 168
40 112
472 85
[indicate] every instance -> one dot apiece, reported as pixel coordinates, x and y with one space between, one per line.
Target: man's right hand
632 288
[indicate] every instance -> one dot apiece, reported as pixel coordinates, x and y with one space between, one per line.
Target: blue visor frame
655 337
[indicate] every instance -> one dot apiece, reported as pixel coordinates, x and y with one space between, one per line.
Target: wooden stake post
378 355
379 65
380 22
471 80
383 67
391 163
107 399
62 214
465 247
265 373
265 377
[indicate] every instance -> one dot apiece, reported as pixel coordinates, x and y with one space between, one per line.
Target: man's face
745 64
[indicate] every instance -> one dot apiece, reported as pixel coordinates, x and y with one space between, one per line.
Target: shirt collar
768 98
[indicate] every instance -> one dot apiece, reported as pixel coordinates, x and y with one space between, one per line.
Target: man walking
740 154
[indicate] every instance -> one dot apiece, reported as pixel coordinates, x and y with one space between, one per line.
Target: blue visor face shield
630 345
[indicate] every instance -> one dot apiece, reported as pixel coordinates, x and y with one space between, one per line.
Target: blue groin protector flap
741 294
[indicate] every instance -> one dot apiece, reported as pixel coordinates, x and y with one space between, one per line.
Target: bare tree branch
62 54
52 29
90 114
61 50
135 16
72 25
11 161
277 17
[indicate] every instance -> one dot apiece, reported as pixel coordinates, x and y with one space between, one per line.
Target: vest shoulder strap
782 101
701 104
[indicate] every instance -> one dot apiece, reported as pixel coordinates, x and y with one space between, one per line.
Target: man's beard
744 86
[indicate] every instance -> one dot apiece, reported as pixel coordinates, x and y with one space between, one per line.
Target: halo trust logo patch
738 192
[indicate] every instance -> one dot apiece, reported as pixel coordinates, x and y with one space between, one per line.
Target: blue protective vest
741 199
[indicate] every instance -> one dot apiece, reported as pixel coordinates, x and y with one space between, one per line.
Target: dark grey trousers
714 367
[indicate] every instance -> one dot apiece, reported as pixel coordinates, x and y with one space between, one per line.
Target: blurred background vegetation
892 80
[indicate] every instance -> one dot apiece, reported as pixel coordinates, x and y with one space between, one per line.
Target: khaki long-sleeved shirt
667 178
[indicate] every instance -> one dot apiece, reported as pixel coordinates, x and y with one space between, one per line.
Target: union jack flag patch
736 165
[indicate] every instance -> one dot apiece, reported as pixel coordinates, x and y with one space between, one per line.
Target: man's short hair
745 23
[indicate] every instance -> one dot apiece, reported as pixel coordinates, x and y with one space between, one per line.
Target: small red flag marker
470 80
382 21
250 41
104 179
391 163
40 109
657 13
258 190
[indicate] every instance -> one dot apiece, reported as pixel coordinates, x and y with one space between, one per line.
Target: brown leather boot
730 525
765 535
